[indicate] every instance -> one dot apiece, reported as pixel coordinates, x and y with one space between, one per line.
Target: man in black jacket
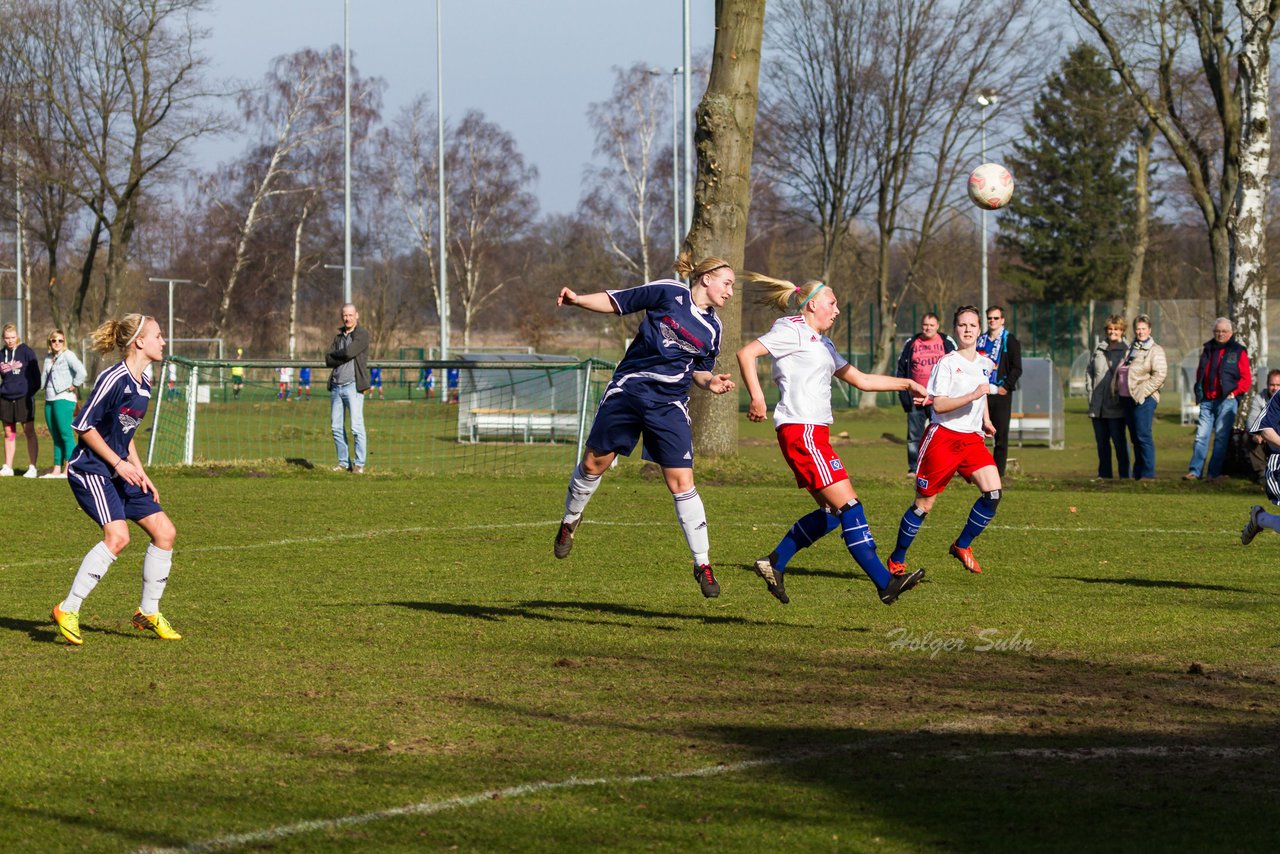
999 345
349 358
1222 376
916 362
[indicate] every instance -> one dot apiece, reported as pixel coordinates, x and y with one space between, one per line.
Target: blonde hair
686 269
1118 321
48 342
10 327
115 335
779 292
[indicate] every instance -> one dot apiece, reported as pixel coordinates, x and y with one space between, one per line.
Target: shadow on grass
800 570
1158 583
44 631
538 610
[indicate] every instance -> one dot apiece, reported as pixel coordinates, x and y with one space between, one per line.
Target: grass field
396 662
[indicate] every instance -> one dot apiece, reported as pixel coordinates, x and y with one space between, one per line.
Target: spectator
1105 410
1138 380
304 383
19 382
916 362
1000 346
63 376
349 358
1221 377
1256 448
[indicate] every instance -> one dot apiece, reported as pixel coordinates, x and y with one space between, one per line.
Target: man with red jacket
916 362
1221 377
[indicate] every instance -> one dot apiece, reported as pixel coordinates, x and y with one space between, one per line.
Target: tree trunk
1249 276
724 137
1141 221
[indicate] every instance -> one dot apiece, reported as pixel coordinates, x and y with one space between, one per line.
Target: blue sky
532 66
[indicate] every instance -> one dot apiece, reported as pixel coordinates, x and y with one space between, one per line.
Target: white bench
526 424
1031 428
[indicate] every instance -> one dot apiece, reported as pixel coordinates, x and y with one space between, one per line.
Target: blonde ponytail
779 292
116 335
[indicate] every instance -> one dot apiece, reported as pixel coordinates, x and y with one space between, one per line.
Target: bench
525 424
1030 428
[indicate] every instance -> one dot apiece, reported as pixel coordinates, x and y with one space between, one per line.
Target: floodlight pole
346 151
986 97
11 270
171 282
17 257
440 187
688 122
675 158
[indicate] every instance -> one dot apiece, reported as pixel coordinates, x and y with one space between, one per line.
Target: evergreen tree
1068 228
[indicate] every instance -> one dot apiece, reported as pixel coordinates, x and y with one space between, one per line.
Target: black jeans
1108 432
1000 408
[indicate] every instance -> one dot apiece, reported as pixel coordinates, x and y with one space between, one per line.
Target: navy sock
984 510
910 525
857 538
805 532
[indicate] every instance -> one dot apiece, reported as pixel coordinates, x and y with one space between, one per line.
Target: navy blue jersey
115 409
675 339
1269 417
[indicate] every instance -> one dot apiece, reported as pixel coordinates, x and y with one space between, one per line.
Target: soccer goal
476 413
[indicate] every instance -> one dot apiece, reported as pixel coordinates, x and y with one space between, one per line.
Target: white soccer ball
990 186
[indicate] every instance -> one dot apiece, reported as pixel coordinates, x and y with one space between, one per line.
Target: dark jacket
343 351
19 373
904 365
1228 364
1009 371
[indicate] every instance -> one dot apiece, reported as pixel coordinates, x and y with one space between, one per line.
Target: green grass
357 645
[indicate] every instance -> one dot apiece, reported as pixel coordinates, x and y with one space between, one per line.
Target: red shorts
944 452
807 449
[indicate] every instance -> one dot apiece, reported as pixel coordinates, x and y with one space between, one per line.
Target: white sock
1269 520
693 519
581 487
155 574
92 568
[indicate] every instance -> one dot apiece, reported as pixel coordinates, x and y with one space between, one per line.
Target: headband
136 332
812 295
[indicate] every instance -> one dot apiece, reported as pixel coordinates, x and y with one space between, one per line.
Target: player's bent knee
992 498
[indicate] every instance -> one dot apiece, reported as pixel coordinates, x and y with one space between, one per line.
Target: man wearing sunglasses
1000 346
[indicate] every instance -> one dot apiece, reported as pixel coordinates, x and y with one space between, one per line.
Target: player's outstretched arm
714 383
747 365
947 404
598 302
881 382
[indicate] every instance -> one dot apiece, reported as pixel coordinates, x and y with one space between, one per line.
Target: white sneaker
31 472
5 471
61 474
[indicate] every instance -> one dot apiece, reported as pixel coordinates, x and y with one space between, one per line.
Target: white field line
422 529
272 834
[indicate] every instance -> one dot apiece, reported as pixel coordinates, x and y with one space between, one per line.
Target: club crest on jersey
836 465
675 335
130 418
922 483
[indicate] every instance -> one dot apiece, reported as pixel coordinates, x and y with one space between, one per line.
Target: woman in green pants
63 376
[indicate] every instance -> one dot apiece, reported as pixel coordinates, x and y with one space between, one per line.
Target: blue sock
857 538
805 532
984 510
910 525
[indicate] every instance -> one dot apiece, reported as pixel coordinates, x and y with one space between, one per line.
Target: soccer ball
990 186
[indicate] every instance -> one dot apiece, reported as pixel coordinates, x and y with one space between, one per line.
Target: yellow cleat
155 623
68 623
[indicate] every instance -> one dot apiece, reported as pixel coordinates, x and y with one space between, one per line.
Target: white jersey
803 362
956 376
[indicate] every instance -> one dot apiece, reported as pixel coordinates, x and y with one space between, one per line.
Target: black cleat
899 584
772 579
564 538
707 580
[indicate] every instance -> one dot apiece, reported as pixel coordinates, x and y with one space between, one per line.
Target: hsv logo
130 418
836 465
675 335
922 483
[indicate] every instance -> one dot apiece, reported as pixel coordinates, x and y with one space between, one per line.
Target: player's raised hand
721 383
566 297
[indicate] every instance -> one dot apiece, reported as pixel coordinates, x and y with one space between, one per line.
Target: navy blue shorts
1271 478
622 420
110 499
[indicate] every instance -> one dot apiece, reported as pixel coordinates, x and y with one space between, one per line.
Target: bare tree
125 93
1148 45
622 199
490 204
724 137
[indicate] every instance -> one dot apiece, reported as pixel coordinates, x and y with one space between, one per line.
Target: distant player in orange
954 443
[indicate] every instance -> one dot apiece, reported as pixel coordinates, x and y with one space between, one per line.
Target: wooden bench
528 425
